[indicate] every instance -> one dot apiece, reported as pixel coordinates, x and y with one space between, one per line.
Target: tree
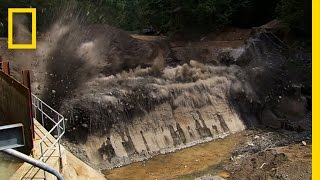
169 15
297 13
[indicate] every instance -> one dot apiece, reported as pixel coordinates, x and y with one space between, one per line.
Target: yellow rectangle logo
33 44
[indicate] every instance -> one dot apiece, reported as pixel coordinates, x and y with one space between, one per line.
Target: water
194 161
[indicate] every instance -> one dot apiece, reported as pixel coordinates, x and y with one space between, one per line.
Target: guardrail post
26 81
0 62
42 157
26 78
5 67
60 154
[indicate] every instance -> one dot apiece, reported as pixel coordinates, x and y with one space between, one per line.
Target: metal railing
34 162
53 122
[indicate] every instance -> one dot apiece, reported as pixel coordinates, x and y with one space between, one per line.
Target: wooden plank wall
15 103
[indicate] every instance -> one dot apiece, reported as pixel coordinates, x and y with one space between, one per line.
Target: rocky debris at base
279 155
289 162
77 151
262 140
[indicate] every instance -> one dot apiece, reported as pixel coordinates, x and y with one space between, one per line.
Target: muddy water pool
183 164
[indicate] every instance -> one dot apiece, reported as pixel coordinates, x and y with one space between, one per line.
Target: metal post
42 157
26 81
0 62
42 121
60 155
5 67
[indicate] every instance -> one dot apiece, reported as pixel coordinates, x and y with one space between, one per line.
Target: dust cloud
99 68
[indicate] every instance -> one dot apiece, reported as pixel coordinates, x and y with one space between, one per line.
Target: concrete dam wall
178 129
163 129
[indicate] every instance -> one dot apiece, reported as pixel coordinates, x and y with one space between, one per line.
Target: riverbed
183 164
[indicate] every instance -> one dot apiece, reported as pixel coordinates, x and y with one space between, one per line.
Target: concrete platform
69 166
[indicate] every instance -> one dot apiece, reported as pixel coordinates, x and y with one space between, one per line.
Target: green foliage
4 13
169 15
248 13
185 14
297 13
45 10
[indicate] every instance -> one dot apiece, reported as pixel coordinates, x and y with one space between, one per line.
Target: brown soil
148 38
290 162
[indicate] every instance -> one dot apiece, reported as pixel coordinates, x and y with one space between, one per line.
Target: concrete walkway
70 166
27 171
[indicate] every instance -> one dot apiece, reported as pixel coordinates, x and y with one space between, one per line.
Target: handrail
47 134
34 162
45 153
56 126
38 99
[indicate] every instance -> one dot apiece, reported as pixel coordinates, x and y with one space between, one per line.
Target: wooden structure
15 103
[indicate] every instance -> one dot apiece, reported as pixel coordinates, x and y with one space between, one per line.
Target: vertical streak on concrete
145 142
206 130
215 130
223 123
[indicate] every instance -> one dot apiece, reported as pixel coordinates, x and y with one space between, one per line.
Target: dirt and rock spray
123 100
127 99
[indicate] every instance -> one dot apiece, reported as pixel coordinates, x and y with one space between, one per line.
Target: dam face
128 99
194 113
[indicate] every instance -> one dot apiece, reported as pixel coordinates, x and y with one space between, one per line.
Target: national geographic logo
33 44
